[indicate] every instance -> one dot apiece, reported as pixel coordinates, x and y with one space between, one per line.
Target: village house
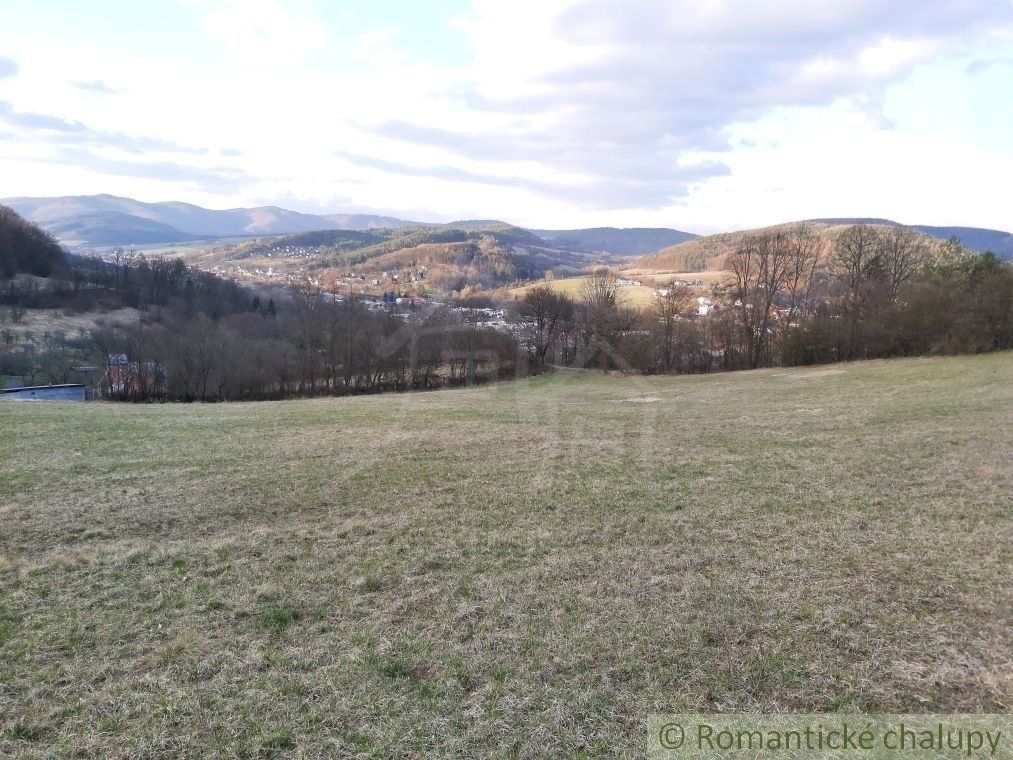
128 378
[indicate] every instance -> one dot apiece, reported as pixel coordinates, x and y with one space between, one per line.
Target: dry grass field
638 296
36 322
526 569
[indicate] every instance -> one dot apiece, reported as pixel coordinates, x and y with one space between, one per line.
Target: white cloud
263 31
621 92
96 86
375 47
8 68
568 112
889 55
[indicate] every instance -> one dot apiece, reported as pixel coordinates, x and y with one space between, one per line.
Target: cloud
8 68
263 31
625 94
215 179
573 112
593 192
38 121
96 86
374 47
981 65
54 129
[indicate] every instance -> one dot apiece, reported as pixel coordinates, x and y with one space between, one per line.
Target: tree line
315 345
791 298
311 345
201 337
26 248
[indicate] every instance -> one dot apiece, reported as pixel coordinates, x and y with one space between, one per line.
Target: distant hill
107 220
111 220
366 221
977 239
709 253
698 255
104 220
630 241
467 224
441 258
974 238
110 228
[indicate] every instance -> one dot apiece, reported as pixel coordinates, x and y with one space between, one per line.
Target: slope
533 566
92 220
710 253
630 241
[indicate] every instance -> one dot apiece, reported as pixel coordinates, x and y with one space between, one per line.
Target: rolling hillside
973 238
477 254
365 221
620 242
709 253
112 228
523 570
108 220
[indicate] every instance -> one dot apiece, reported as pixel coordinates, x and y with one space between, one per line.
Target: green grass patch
526 569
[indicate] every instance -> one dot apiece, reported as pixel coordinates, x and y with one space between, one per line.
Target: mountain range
99 220
83 221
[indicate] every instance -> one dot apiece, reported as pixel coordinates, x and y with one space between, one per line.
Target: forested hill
36 273
83 221
630 241
27 249
711 252
978 239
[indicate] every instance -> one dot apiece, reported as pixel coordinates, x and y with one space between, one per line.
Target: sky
703 115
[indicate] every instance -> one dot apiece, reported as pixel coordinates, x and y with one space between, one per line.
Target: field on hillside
661 276
527 569
187 250
39 321
635 295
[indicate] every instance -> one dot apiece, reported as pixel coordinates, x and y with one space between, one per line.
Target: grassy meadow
639 296
526 569
37 322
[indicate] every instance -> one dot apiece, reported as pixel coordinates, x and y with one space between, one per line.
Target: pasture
638 296
632 295
526 569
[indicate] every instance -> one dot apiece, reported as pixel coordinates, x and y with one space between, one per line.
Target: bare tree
804 246
902 251
602 315
854 261
307 302
667 310
199 357
760 267
601 290
543 311
17 303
